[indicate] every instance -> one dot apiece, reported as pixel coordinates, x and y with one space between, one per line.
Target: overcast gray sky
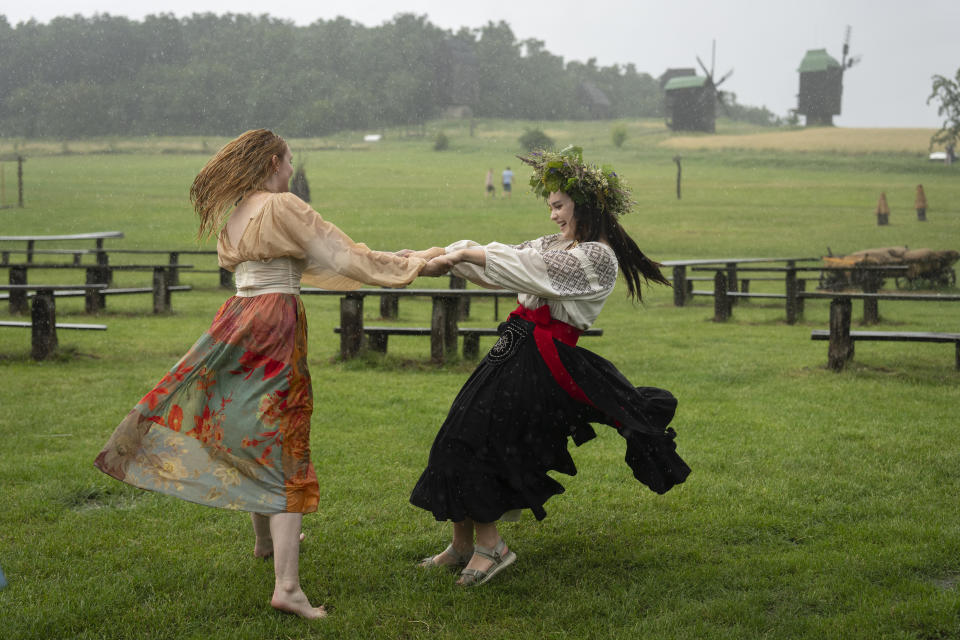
902 43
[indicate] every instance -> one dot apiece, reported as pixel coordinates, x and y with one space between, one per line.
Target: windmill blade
725 76
704 67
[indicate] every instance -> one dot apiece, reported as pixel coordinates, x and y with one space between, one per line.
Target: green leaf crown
586 184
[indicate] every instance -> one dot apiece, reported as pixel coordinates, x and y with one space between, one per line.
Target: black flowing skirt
509 424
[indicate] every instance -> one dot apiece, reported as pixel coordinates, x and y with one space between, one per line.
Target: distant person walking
507 179
490 189
229 425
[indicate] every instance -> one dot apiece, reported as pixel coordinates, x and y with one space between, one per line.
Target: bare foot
296 602
263 547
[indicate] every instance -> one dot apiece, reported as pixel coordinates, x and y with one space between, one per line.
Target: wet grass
821 505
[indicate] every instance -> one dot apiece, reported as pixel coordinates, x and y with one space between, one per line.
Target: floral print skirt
229 425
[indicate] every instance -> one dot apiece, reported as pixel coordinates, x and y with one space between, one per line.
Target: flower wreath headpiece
565 170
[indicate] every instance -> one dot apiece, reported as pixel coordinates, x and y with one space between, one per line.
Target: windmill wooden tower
821 84
691 100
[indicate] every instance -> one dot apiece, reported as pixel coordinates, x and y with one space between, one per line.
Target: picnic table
43 316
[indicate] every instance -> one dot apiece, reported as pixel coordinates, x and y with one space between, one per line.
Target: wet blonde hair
239 168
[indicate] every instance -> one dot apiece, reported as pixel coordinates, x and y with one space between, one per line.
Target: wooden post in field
679 171
871 284
883 210
721 301
161 291
841 346
921 204
20 162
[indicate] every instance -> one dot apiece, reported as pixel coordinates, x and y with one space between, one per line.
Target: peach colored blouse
288 227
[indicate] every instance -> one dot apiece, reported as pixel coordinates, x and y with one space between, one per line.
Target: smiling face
561 212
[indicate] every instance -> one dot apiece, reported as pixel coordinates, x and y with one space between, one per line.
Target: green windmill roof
818 60
684 82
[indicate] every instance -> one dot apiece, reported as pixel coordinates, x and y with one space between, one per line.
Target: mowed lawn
821 505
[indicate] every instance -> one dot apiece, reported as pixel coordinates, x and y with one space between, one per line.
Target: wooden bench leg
18 299
377 342
679 286
791 289
161 291
226 279
871 310
389 306
443 328
471 345
721 301
173 276
94 301
841 344
44 320
456 282
351 326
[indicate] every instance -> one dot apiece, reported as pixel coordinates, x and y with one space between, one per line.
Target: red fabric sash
545 331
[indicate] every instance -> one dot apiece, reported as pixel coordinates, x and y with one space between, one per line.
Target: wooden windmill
821 84
691 100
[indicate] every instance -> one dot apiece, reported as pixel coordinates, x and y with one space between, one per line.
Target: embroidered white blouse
574 281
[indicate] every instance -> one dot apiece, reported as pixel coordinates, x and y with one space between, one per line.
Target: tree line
218 74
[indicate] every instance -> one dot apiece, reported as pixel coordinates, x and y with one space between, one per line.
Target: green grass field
820 505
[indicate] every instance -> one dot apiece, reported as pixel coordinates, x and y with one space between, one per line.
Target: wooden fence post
20 162
841 346
721 301
679 285
18 299
351 325
44 320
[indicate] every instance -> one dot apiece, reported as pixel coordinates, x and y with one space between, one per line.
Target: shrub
618 134
536 139
441 142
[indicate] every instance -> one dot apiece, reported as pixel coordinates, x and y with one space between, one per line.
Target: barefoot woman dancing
510 422
229 425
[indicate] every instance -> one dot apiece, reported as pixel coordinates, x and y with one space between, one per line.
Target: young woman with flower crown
229 425
509 424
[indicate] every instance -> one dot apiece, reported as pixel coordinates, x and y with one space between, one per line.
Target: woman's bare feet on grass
263 547
295 601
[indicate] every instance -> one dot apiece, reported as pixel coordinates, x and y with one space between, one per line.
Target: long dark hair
592 225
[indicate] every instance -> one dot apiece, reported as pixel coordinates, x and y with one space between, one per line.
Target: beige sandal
459 559
475 577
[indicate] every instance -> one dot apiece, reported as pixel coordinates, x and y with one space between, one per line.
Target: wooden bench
43 317
31 241
173 257
841 339
795 293
377 336
99 274
682 292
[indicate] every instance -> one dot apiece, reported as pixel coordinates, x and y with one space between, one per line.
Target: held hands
439 265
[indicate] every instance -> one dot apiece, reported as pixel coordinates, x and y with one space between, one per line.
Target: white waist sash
279 275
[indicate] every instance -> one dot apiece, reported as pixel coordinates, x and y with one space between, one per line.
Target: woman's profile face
285 168
561 212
